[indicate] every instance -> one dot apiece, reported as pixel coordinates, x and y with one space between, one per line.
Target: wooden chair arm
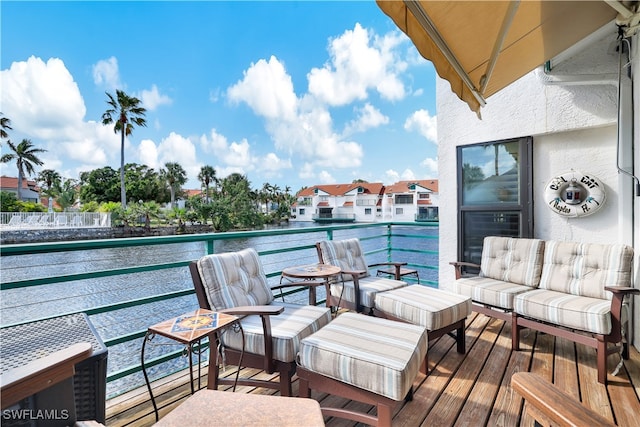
396 265
619 292
551 406
40 374
312 285
254 310
622 290
459 264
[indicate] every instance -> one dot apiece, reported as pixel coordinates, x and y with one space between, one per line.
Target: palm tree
5 124
25 155
206 176
51 180
128 111
175 176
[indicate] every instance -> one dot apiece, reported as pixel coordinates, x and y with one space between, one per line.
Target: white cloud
148 154
152 99
358 64
368 117
407 175
44 103
272 165
326 178
306 172
228 157
179 149
423 123
267 89
431 165
106 73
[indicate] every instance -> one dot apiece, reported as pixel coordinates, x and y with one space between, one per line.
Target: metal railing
35 220
142 289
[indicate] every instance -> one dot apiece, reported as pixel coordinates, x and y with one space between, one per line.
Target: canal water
20 305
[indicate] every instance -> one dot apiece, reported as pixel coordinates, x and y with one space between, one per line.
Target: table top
311 271
192 326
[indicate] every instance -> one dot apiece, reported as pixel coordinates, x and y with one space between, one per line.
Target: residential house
367 202
561 82
415 200
30 190
338 203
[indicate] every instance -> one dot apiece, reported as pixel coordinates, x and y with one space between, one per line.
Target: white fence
33 220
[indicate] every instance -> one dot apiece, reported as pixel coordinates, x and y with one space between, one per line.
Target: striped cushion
234 279
288 328
378 355
421 305
512 260
584 269
483 290
576 312
369 287
346 254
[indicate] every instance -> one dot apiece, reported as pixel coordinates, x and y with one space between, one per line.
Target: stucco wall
582 140
572 127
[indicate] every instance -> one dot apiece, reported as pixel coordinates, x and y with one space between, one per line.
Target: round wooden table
311 271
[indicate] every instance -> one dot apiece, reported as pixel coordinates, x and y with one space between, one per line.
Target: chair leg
515 332
285 381
384 415
460 339
601 350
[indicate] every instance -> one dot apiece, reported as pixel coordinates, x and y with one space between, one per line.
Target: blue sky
290 93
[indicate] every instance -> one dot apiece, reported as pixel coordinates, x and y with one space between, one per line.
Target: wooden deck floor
461 390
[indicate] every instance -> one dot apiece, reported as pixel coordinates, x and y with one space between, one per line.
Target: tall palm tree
176 177
25 155
51 181
127 111
206 176
5 124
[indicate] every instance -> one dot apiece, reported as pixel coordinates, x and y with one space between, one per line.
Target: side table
311 272
188 329
403 272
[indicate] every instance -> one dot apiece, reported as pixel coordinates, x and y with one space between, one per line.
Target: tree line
227 203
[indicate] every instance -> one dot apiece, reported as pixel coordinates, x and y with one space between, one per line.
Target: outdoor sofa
568 289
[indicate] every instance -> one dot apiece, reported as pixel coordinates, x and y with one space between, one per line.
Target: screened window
494 193
367 211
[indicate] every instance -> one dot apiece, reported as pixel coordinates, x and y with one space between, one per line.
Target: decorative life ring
574 194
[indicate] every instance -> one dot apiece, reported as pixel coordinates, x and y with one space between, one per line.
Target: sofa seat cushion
514 260
493 292
288 328
379 355
369 287
425 306
571 311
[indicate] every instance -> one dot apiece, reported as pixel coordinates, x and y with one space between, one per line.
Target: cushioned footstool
441 312
363 358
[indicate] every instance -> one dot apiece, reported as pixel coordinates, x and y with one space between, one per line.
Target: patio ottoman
363 358
439 311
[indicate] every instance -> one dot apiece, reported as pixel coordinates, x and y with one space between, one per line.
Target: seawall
39 235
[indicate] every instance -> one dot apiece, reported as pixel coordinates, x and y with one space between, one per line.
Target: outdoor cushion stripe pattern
584 269
571 311
484 290
346 254
234 279
513 260
421 305
288 328
371 353
369 288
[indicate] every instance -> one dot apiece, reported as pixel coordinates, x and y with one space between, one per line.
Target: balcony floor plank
460 390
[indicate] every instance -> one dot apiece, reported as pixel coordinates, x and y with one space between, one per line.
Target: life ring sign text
574 194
